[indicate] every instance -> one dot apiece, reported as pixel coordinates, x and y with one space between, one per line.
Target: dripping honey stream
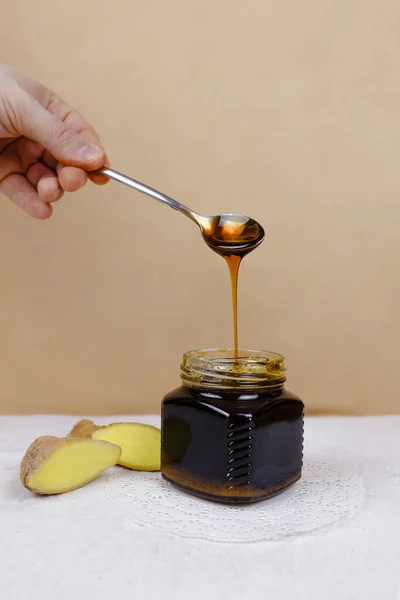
232 237
234 265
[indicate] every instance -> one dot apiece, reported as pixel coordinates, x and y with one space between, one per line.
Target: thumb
65 144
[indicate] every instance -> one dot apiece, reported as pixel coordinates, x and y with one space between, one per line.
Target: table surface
334 535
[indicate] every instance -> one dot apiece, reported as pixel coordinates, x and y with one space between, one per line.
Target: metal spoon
225 234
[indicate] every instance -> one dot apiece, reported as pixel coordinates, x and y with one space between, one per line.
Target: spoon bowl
231 233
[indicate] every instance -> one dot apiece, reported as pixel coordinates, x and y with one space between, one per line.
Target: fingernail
56 195
91 153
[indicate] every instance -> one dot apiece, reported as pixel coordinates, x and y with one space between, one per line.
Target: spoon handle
145 189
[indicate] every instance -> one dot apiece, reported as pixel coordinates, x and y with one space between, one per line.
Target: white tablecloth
334 535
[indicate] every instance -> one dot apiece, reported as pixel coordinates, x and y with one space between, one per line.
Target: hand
45 145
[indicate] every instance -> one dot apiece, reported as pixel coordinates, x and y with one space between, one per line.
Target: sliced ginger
140 444
55 465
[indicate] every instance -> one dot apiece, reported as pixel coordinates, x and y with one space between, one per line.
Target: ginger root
53 465
83 429
140 444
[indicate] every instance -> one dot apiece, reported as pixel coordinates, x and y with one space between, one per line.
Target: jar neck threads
219 369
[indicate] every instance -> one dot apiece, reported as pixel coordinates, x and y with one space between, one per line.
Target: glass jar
231 432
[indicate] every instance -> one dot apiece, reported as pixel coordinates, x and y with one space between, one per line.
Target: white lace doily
329 491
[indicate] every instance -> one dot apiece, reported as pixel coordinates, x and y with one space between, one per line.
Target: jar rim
219 368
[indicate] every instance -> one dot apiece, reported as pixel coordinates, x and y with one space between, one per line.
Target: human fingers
46 182
23 194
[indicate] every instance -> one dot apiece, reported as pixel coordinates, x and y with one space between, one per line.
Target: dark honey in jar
232 432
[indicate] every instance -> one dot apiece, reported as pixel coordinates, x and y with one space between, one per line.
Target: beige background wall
287 111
